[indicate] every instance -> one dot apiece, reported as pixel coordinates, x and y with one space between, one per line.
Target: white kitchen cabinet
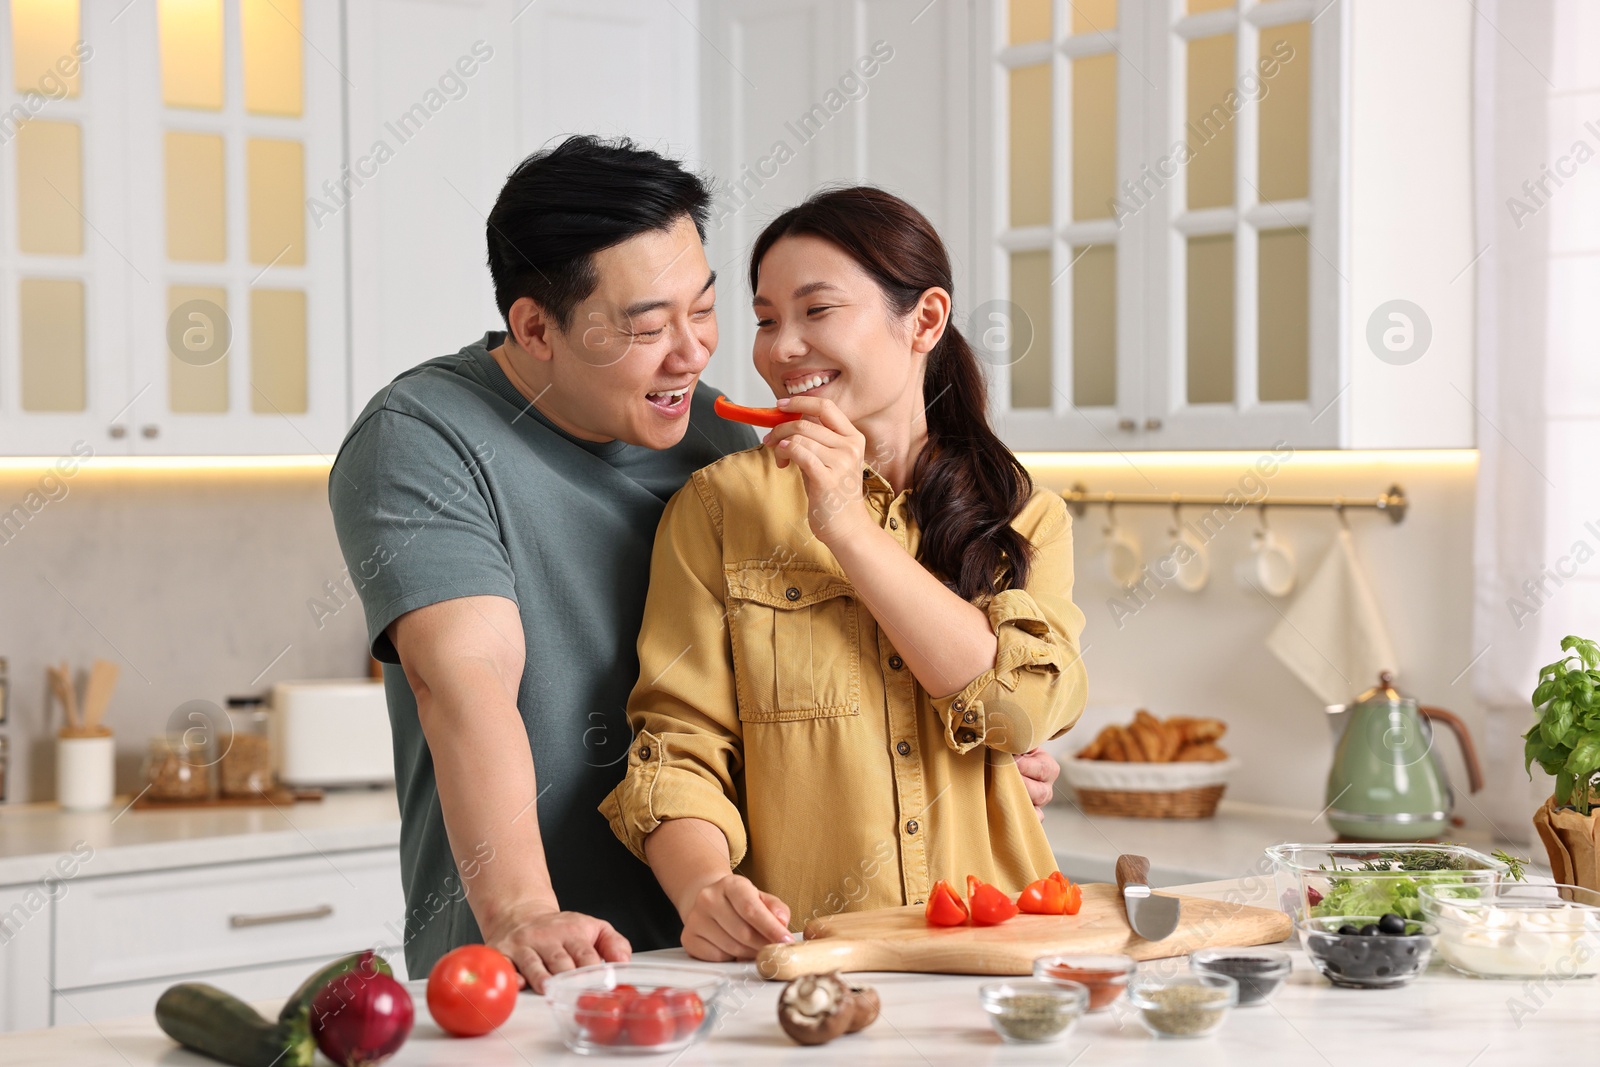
172 290
1198 266
107 946
24 958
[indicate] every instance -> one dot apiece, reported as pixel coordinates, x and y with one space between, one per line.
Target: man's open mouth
670 401
797 386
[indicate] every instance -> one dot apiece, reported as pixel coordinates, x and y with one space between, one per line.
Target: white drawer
132 927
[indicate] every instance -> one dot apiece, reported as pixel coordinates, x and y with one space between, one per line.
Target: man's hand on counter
547 942
1039 771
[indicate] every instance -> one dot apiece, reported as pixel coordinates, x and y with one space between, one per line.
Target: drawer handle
321 911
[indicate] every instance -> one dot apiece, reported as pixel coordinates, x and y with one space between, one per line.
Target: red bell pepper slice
945 907
768 417
1043 897
989 906
1072 901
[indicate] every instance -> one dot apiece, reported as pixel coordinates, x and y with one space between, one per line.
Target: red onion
362 1017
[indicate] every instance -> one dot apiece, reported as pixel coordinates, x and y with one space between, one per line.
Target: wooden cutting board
899 939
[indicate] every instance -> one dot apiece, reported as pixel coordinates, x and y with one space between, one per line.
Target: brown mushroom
816 1008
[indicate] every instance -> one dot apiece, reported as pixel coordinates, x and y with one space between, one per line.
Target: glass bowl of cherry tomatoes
617 1008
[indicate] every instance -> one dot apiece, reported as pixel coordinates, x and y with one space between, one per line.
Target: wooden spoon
61 684
102 680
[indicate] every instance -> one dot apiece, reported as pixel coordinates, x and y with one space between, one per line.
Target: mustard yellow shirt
770 704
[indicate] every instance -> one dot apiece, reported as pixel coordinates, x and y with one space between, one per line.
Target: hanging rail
1392 502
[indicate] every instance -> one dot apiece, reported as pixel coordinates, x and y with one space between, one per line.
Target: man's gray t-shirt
450 484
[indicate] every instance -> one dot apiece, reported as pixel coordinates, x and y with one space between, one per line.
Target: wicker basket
1148 790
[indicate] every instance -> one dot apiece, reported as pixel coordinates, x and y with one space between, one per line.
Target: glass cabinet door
238 339
64 377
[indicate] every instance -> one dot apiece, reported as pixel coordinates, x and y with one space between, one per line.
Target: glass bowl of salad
1330 881
1517 930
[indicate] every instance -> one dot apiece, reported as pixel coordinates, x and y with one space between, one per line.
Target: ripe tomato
649 1021
600 1016
472 990
688 1010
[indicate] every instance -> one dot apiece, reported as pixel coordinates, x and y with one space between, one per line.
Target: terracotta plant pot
1573 842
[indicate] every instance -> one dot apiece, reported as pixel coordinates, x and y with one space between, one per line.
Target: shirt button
895 662
792 593
894 524
644 751
904 748
966 737
911 827
970 717
958 705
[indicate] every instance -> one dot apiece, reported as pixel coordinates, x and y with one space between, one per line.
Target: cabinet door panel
24 958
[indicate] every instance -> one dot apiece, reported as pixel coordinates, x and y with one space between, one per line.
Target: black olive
1392 924
1349 928
1369 930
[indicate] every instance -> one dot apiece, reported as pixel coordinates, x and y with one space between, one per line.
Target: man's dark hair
562 205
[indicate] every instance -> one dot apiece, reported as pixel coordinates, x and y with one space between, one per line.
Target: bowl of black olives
1368 952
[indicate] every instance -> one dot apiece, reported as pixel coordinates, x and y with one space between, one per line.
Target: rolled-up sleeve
687 748
1037 687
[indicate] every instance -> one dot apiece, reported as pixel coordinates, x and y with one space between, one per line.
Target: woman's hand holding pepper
831 454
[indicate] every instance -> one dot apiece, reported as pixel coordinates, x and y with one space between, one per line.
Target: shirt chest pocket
796 642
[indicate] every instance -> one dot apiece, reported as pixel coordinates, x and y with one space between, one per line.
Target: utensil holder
85 770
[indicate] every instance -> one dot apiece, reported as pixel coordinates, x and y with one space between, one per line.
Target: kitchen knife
1152 917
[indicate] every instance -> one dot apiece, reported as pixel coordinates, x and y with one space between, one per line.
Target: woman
852 629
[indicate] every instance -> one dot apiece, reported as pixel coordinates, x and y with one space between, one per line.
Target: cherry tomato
472 990
945 907
768 417
649 1020
600 1016
625 991
687 1009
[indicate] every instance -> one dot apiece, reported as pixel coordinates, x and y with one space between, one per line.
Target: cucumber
299 1003
220 1025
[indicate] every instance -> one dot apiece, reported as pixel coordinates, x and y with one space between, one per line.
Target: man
496 508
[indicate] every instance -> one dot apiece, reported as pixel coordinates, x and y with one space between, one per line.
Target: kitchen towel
1333 637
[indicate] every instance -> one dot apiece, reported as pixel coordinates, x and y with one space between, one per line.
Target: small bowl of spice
1104 976
1259 971
1182 1005
1027 1011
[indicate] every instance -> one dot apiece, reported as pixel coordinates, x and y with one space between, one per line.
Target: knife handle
1132 870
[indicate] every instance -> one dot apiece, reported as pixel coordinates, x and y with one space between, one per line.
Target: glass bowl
1104 976
1366 961
1355 879
1517 930
617 1008
1259 971
1182 1005
1031 1011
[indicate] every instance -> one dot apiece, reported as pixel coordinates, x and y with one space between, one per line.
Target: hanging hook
1338 509
1261 515
1177 514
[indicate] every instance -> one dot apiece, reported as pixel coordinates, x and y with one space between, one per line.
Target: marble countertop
1442 1018
33 837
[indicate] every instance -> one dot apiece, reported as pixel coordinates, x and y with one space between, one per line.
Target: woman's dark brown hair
966 485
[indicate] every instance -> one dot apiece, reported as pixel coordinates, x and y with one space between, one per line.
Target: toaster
331 733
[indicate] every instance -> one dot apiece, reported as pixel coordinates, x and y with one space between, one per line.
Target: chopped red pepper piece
945 907
768 417
1053 895
1073 901
1044 897
989 906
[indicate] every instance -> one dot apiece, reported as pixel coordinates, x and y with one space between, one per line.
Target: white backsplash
197 582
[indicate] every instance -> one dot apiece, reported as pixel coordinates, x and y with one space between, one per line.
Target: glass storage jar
177 768
247 763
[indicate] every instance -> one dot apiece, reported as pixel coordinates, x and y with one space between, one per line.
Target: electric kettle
1386 782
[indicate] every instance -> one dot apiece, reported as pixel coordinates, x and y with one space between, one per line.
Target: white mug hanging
1270 566
1124 559
1188 558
